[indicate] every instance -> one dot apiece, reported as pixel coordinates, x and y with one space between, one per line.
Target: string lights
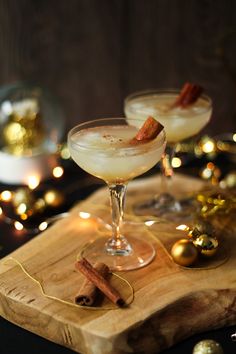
26 205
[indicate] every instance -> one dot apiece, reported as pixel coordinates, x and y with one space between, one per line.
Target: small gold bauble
208 346
206 244
208 253
53 198
201 227
184 252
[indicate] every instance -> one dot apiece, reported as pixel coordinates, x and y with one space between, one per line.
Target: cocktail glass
180 123
103 148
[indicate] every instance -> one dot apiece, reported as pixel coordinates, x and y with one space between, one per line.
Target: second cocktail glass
103 148
179 123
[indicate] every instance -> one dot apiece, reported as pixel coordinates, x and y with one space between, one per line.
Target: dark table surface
15 340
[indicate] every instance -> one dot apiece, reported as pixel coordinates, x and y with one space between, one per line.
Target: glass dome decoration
31 126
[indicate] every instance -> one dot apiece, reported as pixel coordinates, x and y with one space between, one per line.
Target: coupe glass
180 123
102 148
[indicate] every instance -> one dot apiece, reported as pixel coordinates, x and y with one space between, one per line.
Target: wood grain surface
170 303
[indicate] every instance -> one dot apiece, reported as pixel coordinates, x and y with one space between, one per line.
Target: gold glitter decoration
206 145
214 203
24 129
208 346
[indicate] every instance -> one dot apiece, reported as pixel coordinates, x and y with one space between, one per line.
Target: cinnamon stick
88 291
188 95
149 130
99 281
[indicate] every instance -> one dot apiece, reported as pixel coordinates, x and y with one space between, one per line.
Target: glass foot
167 207
141 254
119 247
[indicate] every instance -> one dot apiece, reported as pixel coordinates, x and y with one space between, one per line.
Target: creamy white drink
107 152
183 113
179 123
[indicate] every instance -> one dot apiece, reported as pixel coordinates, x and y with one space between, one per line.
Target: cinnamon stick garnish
188 95
88 291
149 131
99 281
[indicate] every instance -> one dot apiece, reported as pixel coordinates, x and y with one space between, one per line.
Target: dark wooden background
92 53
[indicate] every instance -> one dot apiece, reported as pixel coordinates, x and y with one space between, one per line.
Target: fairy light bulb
33 181
57 171
21 209
176 162
18 225
43 226
65 153
208 146
206 173
24 216
6 196
211 172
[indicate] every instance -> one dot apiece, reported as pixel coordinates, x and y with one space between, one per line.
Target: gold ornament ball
201 227
208 346
184 253
206 244
53 198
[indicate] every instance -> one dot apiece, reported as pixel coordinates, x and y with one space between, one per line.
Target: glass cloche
31 126
31 120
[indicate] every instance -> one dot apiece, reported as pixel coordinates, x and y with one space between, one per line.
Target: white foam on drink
109 137
179 123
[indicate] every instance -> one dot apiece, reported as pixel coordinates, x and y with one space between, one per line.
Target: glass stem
117 244
167 169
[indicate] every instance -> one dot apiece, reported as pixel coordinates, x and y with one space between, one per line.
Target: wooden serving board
170 302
